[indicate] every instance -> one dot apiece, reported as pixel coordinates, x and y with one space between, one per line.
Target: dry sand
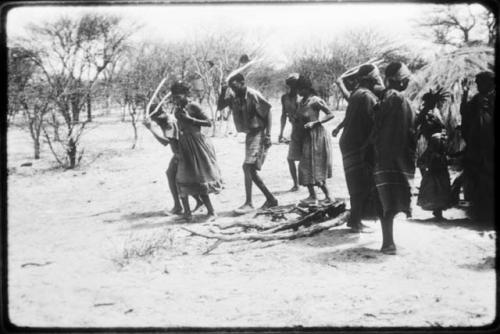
72 236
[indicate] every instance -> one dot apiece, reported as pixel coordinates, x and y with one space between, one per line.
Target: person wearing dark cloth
170 135
251 115
435 188
394 139
289 104
315 164
349 84
198 172
478 134
357 148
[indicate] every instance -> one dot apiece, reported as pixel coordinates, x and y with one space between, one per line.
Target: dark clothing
435 188
315 164
197 172
477 131
357 153
395 147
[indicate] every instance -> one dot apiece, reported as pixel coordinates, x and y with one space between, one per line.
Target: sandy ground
93 247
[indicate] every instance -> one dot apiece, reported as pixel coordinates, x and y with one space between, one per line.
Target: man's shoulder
364 93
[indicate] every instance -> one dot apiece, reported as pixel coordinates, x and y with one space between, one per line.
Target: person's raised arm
158 136
343 89
196 116
282 119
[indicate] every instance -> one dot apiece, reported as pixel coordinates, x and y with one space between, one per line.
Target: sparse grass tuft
143 247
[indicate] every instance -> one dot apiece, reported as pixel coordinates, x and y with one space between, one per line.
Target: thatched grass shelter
448 70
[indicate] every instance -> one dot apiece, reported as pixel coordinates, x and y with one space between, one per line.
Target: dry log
317 228
318 215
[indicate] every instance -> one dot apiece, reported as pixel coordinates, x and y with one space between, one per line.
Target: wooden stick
148 106
341 219
242 68
159 104
354 69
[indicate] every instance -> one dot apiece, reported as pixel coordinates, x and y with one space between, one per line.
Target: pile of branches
311 220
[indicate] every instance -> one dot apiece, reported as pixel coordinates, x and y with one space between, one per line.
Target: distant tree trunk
89 108
36 143
71 152
132 112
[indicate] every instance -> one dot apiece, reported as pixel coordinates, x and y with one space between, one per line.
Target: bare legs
205 200
387 222
177 209
251 176
312 193
171 172
293 173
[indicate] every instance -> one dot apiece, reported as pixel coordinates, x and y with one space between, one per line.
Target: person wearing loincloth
169 134
198 172
289 104
357 148
315 164
394 139
251 115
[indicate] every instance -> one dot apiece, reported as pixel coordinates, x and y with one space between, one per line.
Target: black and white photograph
281 165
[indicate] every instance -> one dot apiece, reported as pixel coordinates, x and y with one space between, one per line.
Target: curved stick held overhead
148 106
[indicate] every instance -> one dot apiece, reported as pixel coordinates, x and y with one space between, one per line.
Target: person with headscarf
169 134
315 165
198 172
435 188
348 84
394 139
252 116
478 134
357 149
289 104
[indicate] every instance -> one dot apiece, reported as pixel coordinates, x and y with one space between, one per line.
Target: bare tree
460 25
28 92
73 54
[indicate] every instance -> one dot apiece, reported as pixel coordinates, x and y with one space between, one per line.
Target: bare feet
188 218
309 201
199 204
211 216
294 188
245 208
269 203
176 210
389 249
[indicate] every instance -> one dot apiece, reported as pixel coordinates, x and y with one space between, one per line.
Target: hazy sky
280 27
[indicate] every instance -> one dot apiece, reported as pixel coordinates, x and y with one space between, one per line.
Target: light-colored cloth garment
198 172
315 164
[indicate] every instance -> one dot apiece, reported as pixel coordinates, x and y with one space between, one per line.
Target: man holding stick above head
252 115
395 142
289 103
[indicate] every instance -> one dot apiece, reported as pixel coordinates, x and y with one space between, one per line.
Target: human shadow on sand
486 263
329 238
452 223
169 220
354 254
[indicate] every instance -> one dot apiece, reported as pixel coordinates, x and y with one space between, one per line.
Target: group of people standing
378 145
